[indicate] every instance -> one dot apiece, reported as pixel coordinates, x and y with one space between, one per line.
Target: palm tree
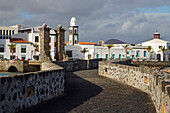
126 47
84 51
149 49
109 47
12 47
35 49
163 51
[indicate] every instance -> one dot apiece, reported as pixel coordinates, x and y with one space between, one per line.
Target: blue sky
131 21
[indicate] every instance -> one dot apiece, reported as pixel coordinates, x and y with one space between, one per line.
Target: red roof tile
85 43
18 40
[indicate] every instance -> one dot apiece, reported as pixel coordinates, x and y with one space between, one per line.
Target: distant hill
114 41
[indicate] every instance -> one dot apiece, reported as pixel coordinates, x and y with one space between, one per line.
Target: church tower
73 32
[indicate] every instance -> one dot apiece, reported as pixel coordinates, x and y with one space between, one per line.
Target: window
11 57
36 38
0 37
113 56
3 32
97 56
75 41
23 48
12 31
70 31
50 47
145 53
9 32
6 32
1 57
137 53
127 52
23 57
0 32
169 47
1 47
54 44
107 57
75 31
69 53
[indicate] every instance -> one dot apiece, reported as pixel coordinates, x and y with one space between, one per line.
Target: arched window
75 31
138 53
145 55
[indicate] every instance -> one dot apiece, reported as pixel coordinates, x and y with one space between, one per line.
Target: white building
23 40
156 43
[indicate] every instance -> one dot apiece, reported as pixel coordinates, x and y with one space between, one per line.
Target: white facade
29 35
95 52
156 45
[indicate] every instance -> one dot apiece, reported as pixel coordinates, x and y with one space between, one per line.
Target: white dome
73 22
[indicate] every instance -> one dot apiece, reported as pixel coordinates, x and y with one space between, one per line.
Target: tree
149 49
126 47
84 51
109 47
35 49
163 51
12 47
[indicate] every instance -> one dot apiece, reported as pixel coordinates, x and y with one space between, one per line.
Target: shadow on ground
77 90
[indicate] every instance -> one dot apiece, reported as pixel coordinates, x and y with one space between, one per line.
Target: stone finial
44 25
59 26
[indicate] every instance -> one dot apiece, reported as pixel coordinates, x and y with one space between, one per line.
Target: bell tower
73 32
156 35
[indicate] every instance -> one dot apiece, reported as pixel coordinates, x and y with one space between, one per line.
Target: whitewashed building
156 43
23 37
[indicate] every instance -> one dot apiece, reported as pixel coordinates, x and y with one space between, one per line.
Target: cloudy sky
132 21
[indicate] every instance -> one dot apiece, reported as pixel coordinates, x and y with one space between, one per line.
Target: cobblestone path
87 92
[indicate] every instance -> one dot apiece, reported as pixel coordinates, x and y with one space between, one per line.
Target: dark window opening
36 38
69 53
1 47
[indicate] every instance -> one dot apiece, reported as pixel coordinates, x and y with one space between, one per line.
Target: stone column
44 44
60 43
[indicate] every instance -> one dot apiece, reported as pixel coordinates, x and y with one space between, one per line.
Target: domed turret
73 22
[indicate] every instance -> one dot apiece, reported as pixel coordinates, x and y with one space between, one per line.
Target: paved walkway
87 92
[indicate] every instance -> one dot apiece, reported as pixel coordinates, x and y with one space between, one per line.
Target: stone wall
22 91
153 63
154 82
78 64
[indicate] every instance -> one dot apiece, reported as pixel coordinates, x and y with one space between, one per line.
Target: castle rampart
149 80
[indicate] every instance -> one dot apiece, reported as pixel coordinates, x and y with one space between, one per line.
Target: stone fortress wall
147 79
21 91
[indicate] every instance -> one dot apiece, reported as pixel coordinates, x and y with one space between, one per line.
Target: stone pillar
60 43
44 44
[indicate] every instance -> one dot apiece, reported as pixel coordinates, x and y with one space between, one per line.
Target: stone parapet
78 64
148 79
18 92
